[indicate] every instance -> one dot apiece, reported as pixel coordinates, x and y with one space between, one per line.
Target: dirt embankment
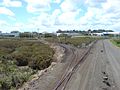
58 56
59 52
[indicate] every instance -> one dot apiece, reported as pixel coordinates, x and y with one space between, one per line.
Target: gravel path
100 70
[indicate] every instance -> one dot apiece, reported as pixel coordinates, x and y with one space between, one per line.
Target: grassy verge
20 59
116 42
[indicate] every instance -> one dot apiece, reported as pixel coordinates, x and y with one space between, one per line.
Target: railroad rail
61 85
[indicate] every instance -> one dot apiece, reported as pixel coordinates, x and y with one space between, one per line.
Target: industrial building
12 34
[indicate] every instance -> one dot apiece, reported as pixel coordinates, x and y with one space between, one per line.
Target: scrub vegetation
19 59
76 41
116 42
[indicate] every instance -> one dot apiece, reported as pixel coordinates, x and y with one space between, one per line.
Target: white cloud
43 19
71 10
67 6
95 3
98 14
116 26
38 5
87 18
6 11
68 17
2 22
57 1
101 14
94 17
10 3
54 17
46 19
56 12
112 6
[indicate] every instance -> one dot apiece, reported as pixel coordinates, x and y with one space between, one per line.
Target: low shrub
20 59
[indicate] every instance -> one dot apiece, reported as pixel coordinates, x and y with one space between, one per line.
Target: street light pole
38 33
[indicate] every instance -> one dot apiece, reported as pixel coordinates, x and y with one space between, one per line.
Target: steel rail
70 70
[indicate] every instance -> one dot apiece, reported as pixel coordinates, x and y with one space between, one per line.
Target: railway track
72 66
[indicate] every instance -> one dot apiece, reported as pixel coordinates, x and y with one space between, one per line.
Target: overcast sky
51 15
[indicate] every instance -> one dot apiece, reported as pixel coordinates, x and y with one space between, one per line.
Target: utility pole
38 33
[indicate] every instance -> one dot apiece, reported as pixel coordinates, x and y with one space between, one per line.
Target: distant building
111 33
96 34
15 32
12 34
105 34
69 33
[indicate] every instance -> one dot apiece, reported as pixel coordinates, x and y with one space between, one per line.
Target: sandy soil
100 71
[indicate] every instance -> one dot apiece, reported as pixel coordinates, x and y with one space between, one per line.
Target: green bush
116 42
5 84
20 59
76 41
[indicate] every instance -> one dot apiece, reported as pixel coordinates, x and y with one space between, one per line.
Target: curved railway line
61 85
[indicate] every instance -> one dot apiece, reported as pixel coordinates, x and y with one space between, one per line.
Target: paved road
100 70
